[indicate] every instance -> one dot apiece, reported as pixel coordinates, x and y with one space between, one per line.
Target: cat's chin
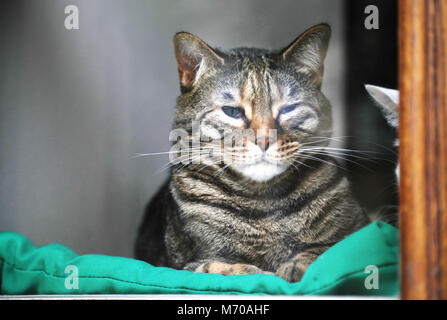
261 171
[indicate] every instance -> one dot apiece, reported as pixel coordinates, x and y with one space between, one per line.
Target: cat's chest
255 239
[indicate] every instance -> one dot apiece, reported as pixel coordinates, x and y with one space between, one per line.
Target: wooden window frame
423 148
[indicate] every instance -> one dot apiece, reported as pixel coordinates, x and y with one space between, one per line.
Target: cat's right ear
388 101
308 51
194 57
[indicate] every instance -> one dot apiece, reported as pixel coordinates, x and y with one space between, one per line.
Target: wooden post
423 148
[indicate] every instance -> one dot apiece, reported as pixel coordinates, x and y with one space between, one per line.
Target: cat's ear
308 51
193 56
388 101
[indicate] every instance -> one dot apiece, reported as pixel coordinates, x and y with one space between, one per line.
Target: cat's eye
234 112
287 109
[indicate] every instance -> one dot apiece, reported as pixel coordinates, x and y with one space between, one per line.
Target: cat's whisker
180 159
344 149
385 147
207 166
139 155
221 170
301 163
293 165
336 137
197 158
190 160
339 153
346 156
322 138
320 160
340 157
358 154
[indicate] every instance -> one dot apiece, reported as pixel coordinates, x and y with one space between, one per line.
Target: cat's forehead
254 75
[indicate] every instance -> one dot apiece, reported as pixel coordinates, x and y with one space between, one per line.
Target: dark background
372 59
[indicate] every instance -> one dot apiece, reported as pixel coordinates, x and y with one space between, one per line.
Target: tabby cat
275 204
388 101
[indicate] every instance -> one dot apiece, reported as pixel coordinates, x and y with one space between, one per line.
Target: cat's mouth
262 170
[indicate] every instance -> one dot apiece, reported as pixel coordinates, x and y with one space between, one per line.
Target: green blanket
345 269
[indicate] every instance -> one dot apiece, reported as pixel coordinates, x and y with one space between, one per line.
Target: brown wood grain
423 148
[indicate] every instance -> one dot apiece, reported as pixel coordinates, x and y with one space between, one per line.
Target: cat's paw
228 269
292 271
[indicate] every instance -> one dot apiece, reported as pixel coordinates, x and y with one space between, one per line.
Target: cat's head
275 94
388 102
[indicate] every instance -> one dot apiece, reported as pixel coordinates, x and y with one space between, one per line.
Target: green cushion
27 269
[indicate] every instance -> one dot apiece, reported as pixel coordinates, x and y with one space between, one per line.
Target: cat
388 102
275 204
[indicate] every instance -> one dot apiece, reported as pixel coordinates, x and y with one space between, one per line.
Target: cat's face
270 103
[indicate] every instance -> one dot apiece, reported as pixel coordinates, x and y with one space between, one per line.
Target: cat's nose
263 142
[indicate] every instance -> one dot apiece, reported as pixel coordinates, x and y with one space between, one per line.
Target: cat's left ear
194 58
309 50
388 101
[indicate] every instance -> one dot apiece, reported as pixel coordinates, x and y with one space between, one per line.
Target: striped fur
271 211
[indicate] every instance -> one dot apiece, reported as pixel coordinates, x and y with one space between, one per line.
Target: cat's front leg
293 270
224 268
